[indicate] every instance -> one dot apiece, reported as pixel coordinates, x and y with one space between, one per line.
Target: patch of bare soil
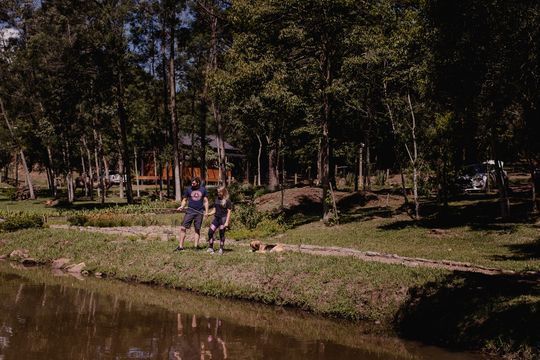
306 199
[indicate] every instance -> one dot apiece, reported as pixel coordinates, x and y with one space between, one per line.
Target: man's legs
186 223
198 220
198 238
182 237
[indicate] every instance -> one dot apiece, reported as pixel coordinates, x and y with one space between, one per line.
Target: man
196 198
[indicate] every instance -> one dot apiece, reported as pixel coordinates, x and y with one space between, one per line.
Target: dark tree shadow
355 200
481 215
470 311
521 252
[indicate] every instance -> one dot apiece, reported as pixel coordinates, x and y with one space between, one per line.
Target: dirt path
169 232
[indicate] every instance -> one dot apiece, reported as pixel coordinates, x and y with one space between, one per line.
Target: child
222 209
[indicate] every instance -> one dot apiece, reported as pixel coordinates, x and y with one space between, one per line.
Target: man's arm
205 206
182 204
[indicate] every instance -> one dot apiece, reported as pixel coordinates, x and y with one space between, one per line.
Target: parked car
475 177
115 178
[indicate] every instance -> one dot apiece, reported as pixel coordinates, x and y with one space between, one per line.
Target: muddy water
56 316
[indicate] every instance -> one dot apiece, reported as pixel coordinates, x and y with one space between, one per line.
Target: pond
48 315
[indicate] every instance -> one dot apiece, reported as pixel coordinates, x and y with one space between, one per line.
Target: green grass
494 313
340 287
506 246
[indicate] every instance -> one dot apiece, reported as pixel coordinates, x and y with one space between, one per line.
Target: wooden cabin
149 169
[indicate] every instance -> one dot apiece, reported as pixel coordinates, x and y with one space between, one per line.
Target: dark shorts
218 223
195 218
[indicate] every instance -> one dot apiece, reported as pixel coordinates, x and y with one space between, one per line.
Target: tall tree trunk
259 161
367 177
174 120
273 180
84 174
403 185
23 158
17 156
52 174
90 169
535 179
325 129
203 111
27 176
325 171
220 144
216 106
121 173
165 98
123 117
98 154
168 175
503 189
137 174
414 160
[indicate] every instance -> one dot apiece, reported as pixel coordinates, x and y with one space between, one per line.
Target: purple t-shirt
196 198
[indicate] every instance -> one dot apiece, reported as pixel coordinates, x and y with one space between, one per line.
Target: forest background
302 87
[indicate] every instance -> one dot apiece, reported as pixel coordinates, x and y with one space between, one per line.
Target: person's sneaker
210 251
178 248
220 252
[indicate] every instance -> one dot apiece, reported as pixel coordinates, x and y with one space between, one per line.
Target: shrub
77 219
10 193
20 220
110 219
249 223
246 216
260 192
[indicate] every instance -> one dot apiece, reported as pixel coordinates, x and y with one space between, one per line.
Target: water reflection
46 317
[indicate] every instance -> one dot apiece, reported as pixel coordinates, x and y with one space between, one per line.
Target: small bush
111 219
77 220
250 223
246 216
19 221
10 192
269 227
260 192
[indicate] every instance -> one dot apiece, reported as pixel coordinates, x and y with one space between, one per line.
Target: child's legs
211 232
222 232
221 237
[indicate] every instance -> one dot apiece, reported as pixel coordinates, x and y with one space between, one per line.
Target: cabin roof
186 141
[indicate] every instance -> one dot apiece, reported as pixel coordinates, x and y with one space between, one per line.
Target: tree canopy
300 86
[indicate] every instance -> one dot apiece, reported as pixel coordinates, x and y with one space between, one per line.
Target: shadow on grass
481 215
308 210
467 311
521 252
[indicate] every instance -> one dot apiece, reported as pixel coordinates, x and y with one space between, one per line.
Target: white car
116 178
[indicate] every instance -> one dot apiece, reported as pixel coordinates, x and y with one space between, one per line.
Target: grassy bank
513 246
458 310
340 287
